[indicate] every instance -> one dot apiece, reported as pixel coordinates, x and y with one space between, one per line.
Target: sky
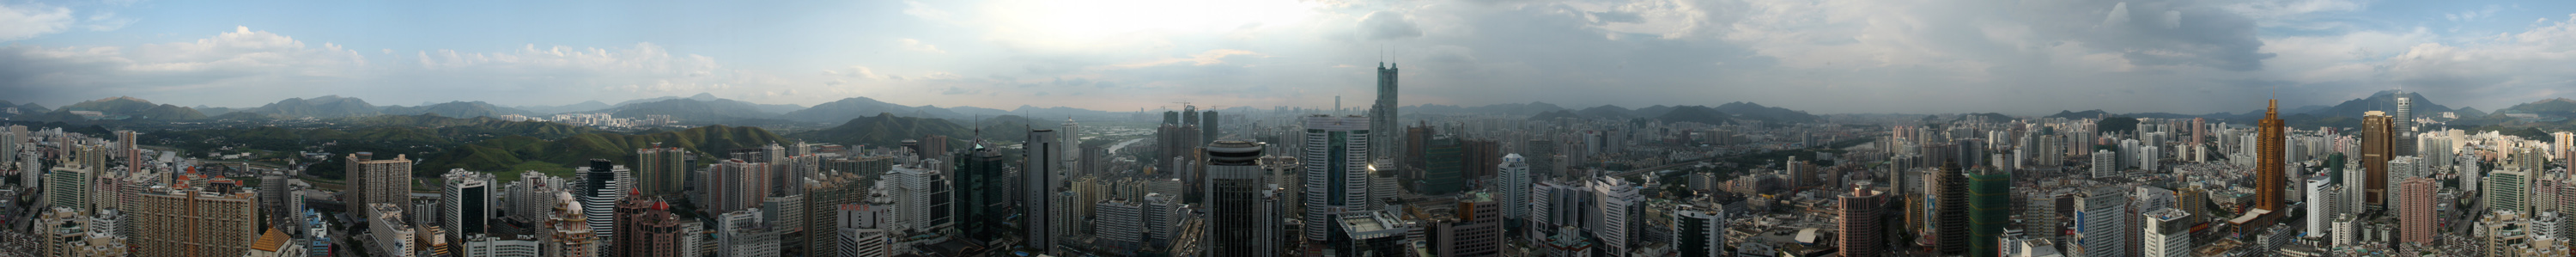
1823 56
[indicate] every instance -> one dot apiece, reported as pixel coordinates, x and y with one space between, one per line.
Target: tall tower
1208 130
2268 165
1234 201
1337 151
2405 125
1039 177
1382 118
2377 138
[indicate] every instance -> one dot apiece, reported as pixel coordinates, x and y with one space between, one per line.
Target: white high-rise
1337 155
1609 217
2322 205
2166 235
2101 221
1514 182
465 204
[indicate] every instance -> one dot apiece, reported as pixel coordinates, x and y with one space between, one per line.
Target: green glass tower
1989 209
1445 170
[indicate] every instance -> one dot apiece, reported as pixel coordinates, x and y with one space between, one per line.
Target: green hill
884 129
135 109
500 154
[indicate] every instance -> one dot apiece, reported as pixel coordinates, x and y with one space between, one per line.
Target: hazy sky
1827 56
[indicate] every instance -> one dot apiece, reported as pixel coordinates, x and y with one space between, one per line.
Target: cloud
106 21
858 72
1210 57
917 46
1388 25
31 20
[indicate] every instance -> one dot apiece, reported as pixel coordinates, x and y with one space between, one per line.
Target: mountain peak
127 98
704 97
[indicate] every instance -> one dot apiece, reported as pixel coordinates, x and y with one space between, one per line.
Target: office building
379 181
2377 148
2403 125
1337 155
465 204
1235 224
67 185
2269 177
1041 178
661 170
1382 118
2506 190
2167 234
983 193
1699 231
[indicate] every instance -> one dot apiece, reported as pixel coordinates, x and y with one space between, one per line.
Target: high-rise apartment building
734 185
2416 221
1235 225
2101 222
661 170
1860 224
216 220
380 181
646 228
389 236
1337 156
2321 205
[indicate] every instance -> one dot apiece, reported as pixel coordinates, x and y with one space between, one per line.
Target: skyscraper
465 204
1950 200
1234 200
2416 220
1040 179
1072 145
1337 155
1513 182
1208 126
2404 125
1860 222
1382 118
380 181
1989 210
2268 165
661 170
2377 146
2321 205
983 193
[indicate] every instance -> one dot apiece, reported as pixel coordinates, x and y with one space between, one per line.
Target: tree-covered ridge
499 154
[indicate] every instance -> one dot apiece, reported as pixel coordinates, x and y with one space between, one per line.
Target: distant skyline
1835 56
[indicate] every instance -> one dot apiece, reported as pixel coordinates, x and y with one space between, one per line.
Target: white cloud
31 20
918 46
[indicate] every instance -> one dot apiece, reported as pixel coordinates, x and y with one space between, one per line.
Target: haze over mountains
707 108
